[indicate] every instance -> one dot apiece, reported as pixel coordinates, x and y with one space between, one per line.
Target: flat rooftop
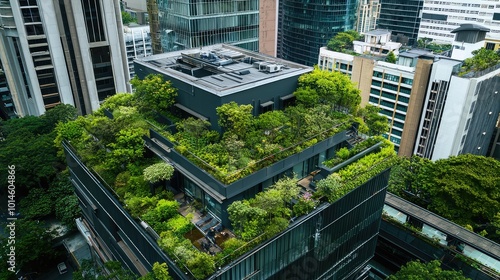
223 69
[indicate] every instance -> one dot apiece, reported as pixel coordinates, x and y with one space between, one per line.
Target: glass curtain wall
195 23
307 25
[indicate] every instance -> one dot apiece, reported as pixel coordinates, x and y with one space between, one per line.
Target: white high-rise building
367 15
137 44
439 18
63 51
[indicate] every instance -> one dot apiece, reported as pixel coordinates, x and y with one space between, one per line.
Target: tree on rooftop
422 42
126 149
391 57
234 118
482 59
268 213
115 101
153 93
415 270
160 272
331 88
377 124
343 40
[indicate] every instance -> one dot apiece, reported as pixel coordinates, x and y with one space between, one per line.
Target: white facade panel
453 119
49 19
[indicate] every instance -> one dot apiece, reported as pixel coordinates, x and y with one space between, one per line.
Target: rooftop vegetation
426 43
420 271
110 142
463 189
342 42
482 59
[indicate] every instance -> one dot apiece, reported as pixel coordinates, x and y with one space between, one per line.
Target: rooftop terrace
223 69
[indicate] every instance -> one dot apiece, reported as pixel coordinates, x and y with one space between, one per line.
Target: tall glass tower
307 25
186 24
402 17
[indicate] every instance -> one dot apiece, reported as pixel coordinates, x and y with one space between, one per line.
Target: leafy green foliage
343 41
163 211
61 113
36 164
158 172
33 243
160 272
344 154
377 124
415 270
153 93
267 213
355 174
127 18
330 186
116 101
127 148
482 59
425 43
464 189
330 88
235 118
391 57
112 270
138 205
231 249
303 206
36 204
268 138
188 258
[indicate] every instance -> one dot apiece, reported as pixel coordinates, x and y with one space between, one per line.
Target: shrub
179 225
158 172
303 206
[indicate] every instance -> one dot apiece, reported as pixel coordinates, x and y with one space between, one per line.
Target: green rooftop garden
482 59
110 143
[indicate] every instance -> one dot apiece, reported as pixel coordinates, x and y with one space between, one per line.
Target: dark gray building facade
402 17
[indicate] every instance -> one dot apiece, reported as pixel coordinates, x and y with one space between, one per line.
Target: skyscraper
61 52
367 15
304 26
402 17
138 44
439 18
190 24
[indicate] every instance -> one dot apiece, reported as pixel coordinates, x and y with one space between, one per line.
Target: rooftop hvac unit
273 68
